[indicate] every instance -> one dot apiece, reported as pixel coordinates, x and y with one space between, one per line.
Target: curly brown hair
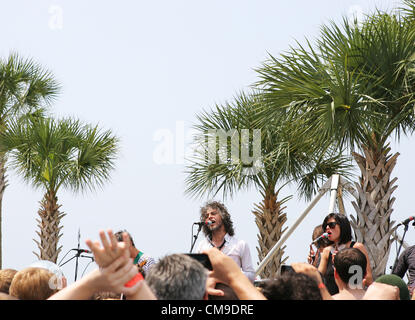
226 217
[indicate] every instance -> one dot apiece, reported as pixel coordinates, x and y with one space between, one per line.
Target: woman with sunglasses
340 235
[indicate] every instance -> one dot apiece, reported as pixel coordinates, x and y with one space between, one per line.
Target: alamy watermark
55 17
56 282
356 280
217 146
235 146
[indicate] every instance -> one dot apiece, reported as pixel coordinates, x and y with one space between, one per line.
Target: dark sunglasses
331 224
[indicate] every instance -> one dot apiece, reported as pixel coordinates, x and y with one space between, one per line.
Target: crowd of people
338 268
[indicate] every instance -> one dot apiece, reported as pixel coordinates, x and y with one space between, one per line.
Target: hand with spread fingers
107 279
116 272
111 249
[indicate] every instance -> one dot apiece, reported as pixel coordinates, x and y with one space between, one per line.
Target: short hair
6 277
347 258
118 235
291 286
32 284
177 277
226 217
344 224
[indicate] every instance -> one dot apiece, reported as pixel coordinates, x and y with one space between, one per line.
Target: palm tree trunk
3 185
269 218
373 205
49 225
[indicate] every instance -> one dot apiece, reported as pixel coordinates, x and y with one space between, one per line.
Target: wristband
321 285
138 277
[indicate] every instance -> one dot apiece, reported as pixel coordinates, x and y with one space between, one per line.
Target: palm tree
50 154
355 86
277 157
25 87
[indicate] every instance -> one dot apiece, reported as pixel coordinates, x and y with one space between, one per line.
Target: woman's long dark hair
226 217
345 228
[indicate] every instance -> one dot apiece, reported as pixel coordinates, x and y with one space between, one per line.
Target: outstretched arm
111 278
117 273
226 270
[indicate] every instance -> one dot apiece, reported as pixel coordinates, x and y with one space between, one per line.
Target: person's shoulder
235 241
359 245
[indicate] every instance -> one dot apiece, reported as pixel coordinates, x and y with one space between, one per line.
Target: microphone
406 221
324 235
207 223
82 250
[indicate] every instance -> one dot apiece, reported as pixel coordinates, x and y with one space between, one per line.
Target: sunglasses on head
331 225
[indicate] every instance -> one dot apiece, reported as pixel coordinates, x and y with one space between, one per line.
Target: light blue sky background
145 69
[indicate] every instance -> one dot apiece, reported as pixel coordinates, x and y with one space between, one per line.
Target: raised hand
111 249
311 255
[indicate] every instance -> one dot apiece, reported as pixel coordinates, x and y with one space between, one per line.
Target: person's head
33 284
394 280
338 227
178 277
350 267
322 243
133 249
217 213
291 286
59 279
6 277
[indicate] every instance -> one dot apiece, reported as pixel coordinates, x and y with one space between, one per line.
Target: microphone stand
194 237
400 245
76 256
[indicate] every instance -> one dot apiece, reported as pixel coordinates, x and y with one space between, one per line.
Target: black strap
221 246
352 244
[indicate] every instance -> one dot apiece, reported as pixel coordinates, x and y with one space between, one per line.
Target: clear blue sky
144 69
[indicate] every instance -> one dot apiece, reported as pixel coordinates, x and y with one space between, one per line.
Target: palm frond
52 153
286 154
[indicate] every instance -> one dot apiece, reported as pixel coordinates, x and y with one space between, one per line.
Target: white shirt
238 250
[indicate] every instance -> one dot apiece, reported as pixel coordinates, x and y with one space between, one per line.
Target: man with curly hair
219 232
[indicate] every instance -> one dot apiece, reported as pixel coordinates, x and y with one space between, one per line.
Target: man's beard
216 227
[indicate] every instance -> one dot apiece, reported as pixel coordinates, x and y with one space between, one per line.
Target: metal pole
284 238
333 191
